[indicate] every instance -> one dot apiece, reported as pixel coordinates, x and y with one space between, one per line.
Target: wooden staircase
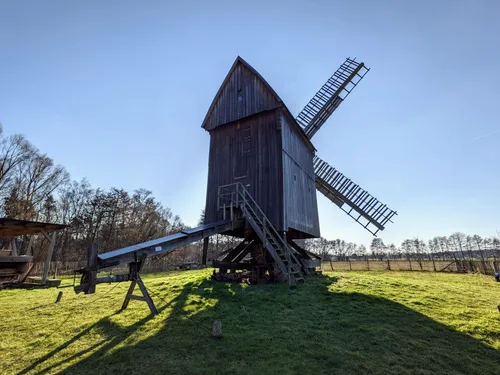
235 196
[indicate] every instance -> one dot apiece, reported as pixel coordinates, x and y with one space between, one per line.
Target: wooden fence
486 267
67 268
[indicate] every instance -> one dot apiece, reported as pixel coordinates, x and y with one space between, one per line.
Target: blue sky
116 92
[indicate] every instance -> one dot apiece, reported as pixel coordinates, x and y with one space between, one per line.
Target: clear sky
116 92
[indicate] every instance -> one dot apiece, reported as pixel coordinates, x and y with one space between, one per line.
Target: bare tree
457 240
37 178
392 251
377 248
321 246
14 150
361 250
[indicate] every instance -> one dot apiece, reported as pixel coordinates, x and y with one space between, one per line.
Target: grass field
349 323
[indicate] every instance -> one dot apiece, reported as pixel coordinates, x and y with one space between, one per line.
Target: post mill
263 173
262 163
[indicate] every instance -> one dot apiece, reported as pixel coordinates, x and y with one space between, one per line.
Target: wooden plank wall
244 94
301 207
247 151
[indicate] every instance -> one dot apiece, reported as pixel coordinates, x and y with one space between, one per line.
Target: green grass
349 323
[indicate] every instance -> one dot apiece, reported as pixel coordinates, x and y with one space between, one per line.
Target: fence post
388 265
367 264
331 264
434 264
409 260
350 267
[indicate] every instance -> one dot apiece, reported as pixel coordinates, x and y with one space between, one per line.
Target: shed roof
240 60
14 227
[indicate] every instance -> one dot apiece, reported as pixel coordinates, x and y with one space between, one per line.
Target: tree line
455 246
33 188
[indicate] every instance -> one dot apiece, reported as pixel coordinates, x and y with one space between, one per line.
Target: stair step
273 240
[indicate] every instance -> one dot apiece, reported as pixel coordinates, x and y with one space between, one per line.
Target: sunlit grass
351 322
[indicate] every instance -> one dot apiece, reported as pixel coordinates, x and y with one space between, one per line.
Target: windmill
242 123
263 173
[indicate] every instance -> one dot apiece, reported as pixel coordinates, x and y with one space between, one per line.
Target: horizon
108 87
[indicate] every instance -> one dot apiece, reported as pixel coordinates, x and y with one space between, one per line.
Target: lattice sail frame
365 209
331 95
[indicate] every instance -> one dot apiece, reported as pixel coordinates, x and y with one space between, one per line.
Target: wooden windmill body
260 151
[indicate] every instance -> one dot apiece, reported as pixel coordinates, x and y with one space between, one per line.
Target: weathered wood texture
243 93
299 186
14 227
247 151
255 140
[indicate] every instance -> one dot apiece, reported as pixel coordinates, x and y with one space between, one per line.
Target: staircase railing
236 196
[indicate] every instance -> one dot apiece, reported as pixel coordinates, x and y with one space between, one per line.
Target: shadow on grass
270 329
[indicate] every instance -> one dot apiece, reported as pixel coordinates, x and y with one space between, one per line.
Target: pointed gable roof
243 92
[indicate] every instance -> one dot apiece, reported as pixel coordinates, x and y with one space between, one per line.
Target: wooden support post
134 269
129 293
145 295
52 240
205 251
434 264
350 266
367 264
92 252
29 250
388 265
14 246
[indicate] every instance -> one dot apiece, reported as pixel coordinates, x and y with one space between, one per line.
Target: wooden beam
29 250
91 268
46 235
237 266
205 251
14 246
239 248
136 297
145 295
129 293
52 241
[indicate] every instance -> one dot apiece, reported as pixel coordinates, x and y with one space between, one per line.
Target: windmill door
243 153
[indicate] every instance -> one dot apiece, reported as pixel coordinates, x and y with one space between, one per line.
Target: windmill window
247 140
295 177
240 96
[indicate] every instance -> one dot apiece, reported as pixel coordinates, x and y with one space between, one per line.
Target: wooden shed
14 266
256 141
